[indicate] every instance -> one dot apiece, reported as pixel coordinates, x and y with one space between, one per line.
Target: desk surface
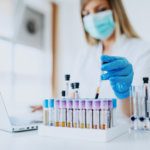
32 141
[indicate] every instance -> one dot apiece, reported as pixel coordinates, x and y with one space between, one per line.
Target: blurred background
39 43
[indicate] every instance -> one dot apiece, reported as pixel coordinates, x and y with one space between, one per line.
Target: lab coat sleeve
142 67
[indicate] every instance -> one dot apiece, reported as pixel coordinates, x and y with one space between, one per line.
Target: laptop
14 124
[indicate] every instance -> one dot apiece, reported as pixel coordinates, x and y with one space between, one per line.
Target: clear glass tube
82 114
89 114
67 89
63 113
96 114
76 113
51 116
46 116
104 114
46 112
70 113
57 113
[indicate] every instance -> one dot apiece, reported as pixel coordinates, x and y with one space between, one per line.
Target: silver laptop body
11 124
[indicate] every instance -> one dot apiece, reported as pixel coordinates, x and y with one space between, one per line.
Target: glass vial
51 112
76 114
89 114
46 112
82 113
69 113
96 114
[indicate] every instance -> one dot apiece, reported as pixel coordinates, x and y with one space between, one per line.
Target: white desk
32 141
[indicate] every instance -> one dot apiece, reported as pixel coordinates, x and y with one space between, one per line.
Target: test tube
103 115
51 112
76 113
147 101
114 112
63 110
96 114
134 122
141 99
72 93
145 84
76 86
141 123
82 113
69 113
89 114
67 80
46 112
57 113
109 114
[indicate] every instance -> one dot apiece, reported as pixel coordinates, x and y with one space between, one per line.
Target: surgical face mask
100 25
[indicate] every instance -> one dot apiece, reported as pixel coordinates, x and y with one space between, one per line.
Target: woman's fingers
121 72
36 108
115 65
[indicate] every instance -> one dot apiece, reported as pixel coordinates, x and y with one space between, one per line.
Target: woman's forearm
124 106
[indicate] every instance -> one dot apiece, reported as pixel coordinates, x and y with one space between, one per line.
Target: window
25 72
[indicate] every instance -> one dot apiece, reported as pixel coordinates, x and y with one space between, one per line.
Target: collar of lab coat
117 44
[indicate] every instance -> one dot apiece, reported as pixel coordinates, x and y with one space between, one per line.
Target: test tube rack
84 134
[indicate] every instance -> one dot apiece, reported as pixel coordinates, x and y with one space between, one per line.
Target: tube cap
45 103
82 104
76 104
51 103
88 104
76 85
69 103
96 104
114 101
63 93
145 80
67 77
72 85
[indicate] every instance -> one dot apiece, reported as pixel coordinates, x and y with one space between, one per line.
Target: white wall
139 13
71 40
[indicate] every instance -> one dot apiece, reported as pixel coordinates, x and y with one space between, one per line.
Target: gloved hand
120 74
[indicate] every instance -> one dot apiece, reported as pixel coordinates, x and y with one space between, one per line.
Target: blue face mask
100 25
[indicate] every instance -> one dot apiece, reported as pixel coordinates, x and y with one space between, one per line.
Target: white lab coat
87 70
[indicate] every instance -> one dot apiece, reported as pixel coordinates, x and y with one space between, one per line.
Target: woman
109 34
111 40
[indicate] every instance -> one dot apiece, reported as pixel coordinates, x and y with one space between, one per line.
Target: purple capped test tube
76 113
103 114
82 114
89 113
110 114
96 114
70 113
63 113
57 113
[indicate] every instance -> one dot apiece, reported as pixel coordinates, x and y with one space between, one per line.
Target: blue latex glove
120 74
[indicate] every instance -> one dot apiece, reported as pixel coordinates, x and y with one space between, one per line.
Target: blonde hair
123 25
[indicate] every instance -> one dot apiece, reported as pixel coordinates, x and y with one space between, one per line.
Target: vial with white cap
46 112
51 112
